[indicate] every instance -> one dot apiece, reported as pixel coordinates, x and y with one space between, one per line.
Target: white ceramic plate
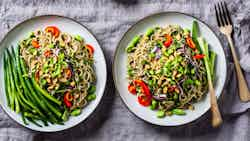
120 59
65 25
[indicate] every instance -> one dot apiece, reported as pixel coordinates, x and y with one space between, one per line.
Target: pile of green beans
25 96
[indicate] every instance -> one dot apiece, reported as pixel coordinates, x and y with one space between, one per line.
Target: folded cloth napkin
109 19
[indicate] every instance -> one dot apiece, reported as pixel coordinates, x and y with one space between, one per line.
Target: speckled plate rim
141 21
104 87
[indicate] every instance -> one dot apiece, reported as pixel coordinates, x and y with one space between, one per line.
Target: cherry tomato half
145 89
90 49
53 30
132 89
144 100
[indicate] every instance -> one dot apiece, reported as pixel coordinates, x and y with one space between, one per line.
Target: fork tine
221 15
225 17
227 14
217 16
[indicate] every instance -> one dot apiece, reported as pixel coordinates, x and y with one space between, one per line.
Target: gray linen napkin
230 102
109 19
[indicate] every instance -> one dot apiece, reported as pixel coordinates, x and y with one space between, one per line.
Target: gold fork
225 25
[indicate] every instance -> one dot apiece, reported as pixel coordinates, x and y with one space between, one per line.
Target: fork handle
242 85
216 116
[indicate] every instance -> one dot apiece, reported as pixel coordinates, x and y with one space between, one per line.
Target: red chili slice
67 99
68 73
35 44
47 53
53 30
190 42
168 41
199 56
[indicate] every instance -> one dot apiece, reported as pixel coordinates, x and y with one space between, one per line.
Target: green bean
133 43
195 34
53 109
195 29
65 115
9 89
149 32
23 105
34 122
35 117
178 112
6 80
204 48
15 81
23 118
161 114
76 112
20 76
12 86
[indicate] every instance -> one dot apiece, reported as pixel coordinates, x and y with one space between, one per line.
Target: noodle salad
166 70
55 74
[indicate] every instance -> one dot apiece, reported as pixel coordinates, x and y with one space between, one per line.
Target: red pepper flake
68 73
47 53
171 88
